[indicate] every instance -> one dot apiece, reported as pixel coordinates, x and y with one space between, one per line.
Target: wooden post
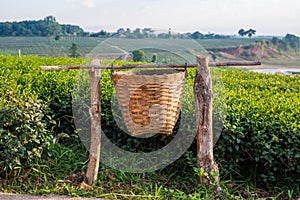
208 169
95 110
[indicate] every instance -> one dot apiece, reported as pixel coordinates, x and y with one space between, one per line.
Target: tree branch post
208 169
95 116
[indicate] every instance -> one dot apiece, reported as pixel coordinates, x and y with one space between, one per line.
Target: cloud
88 3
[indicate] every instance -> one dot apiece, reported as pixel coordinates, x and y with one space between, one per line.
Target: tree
49 19
52 27
163 35
292 40
57 37
137 33
154 58
242 32
147 32
275 40
197 35
209 36
214 57
68 29
138 55
250 32
102 34
74 51
127 32
120 31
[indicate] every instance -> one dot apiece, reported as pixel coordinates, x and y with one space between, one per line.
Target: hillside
261 50
265 50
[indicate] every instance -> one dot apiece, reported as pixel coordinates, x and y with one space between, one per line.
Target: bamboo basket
149 99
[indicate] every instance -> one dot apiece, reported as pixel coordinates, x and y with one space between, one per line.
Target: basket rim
149 72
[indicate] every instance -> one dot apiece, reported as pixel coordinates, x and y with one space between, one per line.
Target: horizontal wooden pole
130 66
234 63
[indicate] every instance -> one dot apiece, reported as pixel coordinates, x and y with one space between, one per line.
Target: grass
61 171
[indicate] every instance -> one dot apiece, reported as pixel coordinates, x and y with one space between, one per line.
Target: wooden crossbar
131 66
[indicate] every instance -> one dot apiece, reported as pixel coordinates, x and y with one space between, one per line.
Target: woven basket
149 99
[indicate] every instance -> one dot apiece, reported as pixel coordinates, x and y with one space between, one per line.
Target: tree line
139 33
45 27
50 27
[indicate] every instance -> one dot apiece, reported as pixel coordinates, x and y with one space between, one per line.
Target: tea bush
35 106
262 128
23 133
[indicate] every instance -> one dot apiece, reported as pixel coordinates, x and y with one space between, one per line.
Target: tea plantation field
40 152
50 46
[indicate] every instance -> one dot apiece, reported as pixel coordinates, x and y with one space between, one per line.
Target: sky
267 17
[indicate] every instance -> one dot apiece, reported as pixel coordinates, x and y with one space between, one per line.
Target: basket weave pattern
149 99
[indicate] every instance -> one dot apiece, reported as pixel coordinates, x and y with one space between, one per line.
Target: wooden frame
203 98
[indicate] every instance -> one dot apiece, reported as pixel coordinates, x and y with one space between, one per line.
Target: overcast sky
268 17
